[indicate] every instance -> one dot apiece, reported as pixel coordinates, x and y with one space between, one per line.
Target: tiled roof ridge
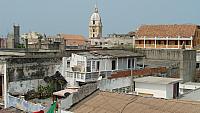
167 30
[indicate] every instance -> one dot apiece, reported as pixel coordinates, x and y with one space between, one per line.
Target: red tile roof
73 39
183 30
143 72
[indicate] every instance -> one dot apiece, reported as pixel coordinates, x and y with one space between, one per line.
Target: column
178 41
64 65
127 62
191 43
143 63
91 66
167 43
155 42
5 86
117 67
135 60
105 64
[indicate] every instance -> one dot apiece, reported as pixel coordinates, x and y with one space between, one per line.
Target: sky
72 16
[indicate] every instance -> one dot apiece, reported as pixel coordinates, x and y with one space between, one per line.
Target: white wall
158 90
197 57
109 84
71 78
169 91
75 58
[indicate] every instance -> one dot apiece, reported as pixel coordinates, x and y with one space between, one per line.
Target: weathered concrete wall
19 69
162 54
24 86
25 74
110 84
188 66
74 98
186 59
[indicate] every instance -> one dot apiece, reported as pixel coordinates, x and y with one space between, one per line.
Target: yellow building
95 25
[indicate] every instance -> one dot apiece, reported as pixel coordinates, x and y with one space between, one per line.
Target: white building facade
88 66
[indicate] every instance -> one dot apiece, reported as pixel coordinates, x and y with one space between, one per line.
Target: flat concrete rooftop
110 53
156 80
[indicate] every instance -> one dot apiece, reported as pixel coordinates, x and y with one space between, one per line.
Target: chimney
65 41
39 42
16 35
26 44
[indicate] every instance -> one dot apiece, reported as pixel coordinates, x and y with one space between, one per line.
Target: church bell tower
95 25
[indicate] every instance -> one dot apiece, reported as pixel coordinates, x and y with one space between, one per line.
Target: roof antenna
95 7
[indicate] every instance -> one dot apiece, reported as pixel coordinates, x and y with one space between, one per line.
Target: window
133 63
100 43
93 66
93 35
98 65
88 66
68 64
141 42
176 42
93 30
113 65
173 42
82 76
129 63
96 43
93 22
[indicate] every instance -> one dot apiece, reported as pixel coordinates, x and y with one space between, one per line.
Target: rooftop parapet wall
186 58
167 54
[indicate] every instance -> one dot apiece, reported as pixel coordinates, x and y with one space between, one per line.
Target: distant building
95 25
31 36
16 35
13 38
114 41
3 42
73 41
10 40
168 36
41 41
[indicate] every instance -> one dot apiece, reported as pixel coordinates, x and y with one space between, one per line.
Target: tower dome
95 16
95 24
